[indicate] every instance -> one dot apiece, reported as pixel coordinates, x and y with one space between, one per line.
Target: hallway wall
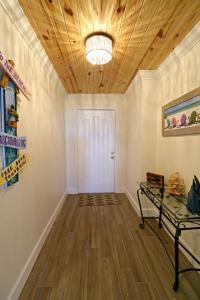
181 153
26 207
147 149
100 101
142 111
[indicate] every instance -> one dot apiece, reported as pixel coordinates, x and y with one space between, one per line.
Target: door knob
112 157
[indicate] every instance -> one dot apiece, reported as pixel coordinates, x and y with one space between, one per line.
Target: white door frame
115 144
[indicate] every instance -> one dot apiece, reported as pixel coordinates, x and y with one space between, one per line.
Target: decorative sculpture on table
176 184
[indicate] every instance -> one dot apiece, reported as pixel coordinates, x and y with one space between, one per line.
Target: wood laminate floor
100 253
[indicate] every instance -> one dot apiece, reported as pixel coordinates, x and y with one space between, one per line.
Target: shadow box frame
187 130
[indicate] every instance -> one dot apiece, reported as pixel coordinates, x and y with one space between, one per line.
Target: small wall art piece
182 116
11 160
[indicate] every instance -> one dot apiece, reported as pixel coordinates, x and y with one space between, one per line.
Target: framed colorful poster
11 161
182 116
9 118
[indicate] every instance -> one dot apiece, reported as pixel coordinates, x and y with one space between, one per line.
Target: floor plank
100 253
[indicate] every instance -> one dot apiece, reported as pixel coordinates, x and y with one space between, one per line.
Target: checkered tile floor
98 199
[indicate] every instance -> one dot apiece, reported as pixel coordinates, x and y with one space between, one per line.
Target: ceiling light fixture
99 49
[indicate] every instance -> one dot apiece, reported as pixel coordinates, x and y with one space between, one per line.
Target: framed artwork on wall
182 116
11 160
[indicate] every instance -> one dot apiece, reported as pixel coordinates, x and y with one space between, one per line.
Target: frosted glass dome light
98 49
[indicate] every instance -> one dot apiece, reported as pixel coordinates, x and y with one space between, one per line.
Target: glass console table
174 209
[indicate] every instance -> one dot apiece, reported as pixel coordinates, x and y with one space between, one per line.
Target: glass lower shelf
174 205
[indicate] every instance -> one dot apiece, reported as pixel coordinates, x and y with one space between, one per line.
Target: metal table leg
177 235
138 195
160 218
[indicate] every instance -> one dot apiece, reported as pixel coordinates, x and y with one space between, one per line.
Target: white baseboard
153 212
19 284
185 244
72 191
147 212
120 189
133 203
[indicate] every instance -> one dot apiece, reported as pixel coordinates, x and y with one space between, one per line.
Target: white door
96 151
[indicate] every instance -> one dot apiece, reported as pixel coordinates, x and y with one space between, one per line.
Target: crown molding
190 41
136 80
18 18
149 74
143 75
185 46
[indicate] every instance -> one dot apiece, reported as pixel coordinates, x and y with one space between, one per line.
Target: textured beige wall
133 166
101 101
147 150
25 208
142 121
180 153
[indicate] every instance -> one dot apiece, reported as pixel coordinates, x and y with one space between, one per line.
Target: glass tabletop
175 205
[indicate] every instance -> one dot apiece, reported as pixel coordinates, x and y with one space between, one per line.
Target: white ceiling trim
185 46
134 83
190 41
16 14
143 75
149 74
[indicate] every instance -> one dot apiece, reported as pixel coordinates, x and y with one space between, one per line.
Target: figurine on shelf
176 185
13 117
193 118
183 120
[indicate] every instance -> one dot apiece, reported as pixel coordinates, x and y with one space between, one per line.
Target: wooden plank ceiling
144 33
